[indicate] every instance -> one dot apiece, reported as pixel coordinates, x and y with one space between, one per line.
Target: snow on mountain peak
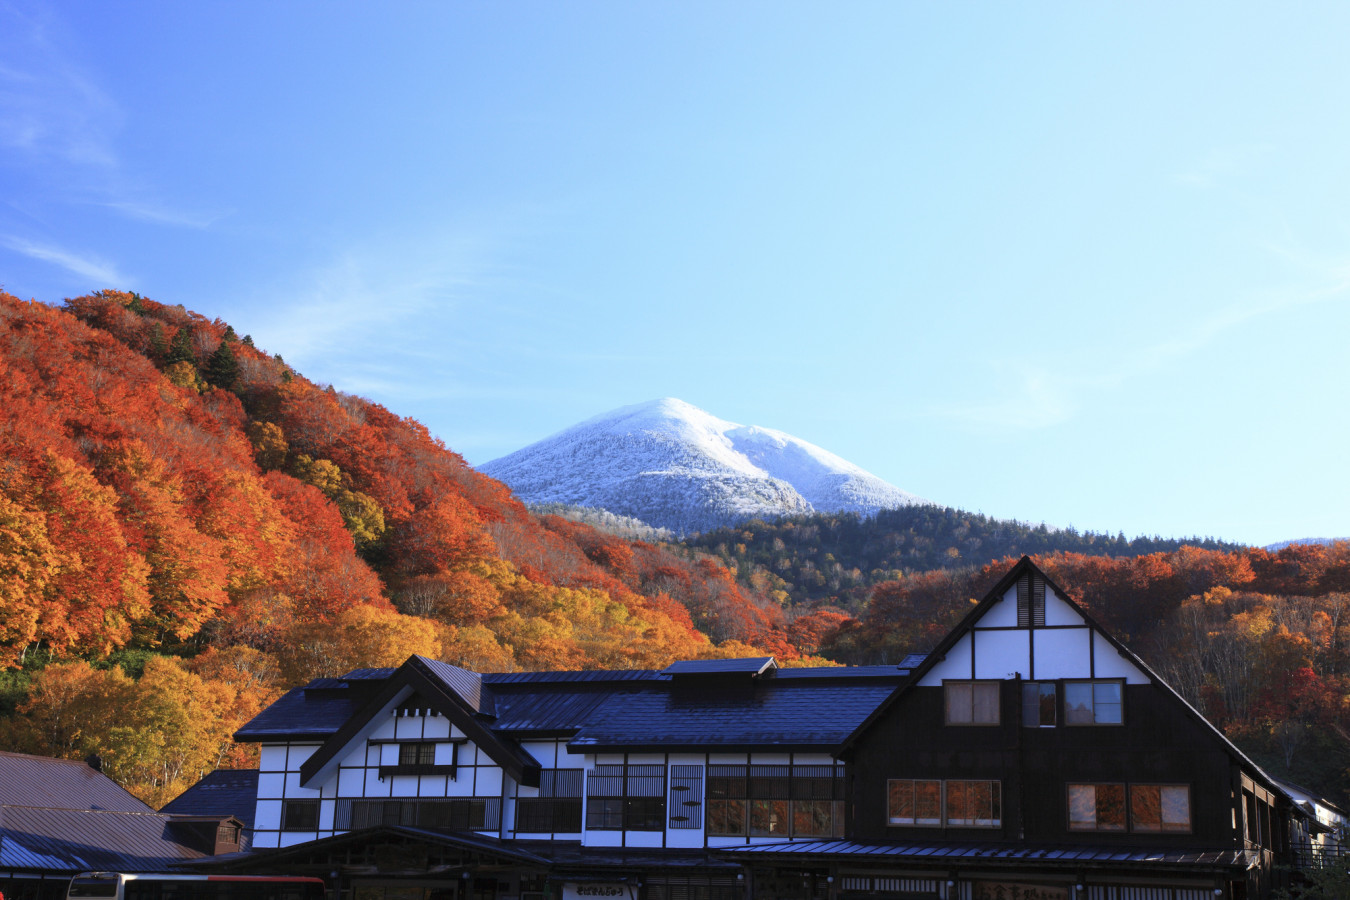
673 465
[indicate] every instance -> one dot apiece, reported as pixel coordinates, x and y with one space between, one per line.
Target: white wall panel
436 727
1062 653
375 785
1000 654
351 782
293 788
769 759
489 782
1001 614
643 838
604 838
1110 664
267 815
408 727
272 758
271 784
299 753
403 785
1057 612
956 665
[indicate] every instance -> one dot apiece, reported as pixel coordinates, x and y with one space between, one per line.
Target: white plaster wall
1001 654
955 666
272 758
268 815
641 838
1110 664
1057 612
1003 613
1062 654
270 784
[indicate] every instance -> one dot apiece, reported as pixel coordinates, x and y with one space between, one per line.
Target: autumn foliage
176 501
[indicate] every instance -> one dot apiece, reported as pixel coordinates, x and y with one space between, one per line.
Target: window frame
289 809
626 810
944 799
1040 705
1130 807
1093 684
1162 826
780 801
947 689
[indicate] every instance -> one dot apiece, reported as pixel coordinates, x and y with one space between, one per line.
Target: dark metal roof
755 665
558 711
467 685
224 792
61 784
771 714
77 840
591 676
1039 855
312 711
565 856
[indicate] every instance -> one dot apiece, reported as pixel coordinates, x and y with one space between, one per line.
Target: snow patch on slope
676 466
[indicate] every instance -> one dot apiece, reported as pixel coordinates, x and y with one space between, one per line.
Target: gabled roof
1025 566
59 815
438 684
224 792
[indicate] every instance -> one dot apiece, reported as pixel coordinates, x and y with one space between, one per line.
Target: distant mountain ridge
673 465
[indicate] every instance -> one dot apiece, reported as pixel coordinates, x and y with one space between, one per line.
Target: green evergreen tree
159 347
180 348
222 369
229 334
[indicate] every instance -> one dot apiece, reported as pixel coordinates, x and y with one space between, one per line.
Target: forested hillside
838 558
188 526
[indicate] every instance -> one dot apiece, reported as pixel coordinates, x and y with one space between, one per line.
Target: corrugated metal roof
1242 859
75 840
302 713
224 792
61 784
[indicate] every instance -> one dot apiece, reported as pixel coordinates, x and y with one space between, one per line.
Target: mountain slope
672 465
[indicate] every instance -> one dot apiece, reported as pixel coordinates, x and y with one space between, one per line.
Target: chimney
95 762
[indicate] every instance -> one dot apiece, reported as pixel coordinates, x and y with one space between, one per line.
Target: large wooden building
1030 756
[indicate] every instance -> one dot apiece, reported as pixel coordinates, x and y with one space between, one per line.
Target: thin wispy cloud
145 211
98 271
1224 164
1034 398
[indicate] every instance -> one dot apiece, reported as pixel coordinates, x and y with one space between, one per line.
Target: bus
159 886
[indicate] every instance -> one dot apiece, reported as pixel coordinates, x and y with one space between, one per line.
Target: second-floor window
1144 807
300 815
558 806
1039 704
626 798
971 702
775 801
1093 703
952 804
417 754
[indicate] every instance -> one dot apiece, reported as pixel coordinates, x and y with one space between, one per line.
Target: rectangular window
626 798
300 815
1039 702
1160 807
971 702
557 809
952 804
417 754
1096 807
776 801
464 814
915 802
1093 703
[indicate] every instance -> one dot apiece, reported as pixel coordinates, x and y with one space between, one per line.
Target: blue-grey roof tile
224 792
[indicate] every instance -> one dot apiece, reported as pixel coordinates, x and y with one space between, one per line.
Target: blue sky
1086 264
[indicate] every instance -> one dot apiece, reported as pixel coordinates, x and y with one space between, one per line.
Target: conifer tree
222 369
180 348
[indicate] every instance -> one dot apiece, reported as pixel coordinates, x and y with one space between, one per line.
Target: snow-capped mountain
674 466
